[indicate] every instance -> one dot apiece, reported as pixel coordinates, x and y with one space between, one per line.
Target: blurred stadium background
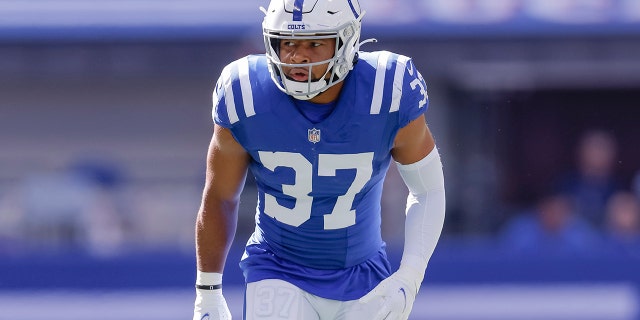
105 120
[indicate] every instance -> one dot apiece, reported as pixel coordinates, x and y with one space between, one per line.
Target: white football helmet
312 19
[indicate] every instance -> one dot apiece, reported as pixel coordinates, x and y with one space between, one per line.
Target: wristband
208 280
208 287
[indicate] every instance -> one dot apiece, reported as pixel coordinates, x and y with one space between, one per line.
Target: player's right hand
210 305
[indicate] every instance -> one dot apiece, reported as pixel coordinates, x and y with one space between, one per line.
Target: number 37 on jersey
342 215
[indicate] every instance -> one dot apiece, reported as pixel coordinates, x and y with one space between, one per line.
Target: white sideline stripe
511 302
378 87
495 302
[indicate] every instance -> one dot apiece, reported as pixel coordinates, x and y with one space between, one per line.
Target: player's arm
413 142
226 172
419 165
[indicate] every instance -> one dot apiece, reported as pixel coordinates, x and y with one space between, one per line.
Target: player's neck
329 95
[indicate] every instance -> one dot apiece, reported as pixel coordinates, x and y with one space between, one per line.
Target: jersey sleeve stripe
228 96
216 103
378 91
245 87
398 79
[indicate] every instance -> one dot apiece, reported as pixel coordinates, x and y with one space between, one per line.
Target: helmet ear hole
343 69
348 32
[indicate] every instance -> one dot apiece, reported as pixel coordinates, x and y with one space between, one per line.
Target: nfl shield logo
314 135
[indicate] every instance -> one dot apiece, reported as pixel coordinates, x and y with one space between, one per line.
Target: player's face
303 52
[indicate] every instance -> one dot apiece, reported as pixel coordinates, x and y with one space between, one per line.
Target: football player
317 122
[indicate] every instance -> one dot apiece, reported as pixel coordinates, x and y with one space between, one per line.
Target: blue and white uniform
320 182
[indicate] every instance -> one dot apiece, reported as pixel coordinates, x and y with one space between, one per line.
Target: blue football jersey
320 184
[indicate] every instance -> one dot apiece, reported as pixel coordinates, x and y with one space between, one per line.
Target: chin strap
296 86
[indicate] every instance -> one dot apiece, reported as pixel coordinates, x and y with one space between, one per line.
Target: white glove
393 297
210 303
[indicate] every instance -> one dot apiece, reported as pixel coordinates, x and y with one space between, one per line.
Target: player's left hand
392 298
